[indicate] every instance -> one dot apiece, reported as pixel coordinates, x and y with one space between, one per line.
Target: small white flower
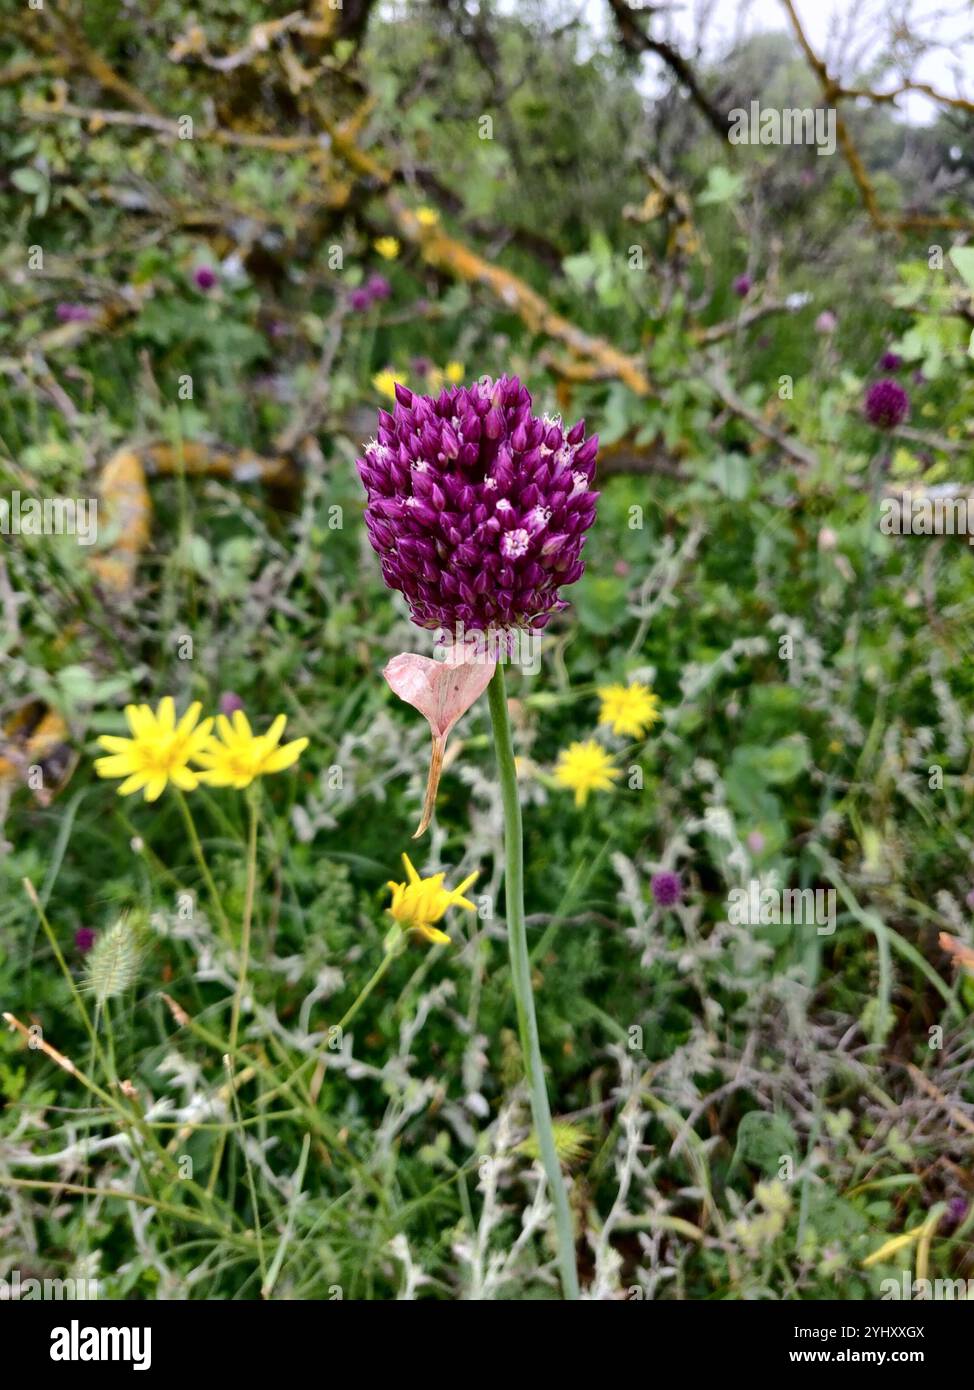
515 543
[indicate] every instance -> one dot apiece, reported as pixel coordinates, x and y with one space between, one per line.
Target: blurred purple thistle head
666 888
230 702
378 287
887 404
73 313
826 322
84 939
956 1210
477 508
359 299
204 278
742 286
890 362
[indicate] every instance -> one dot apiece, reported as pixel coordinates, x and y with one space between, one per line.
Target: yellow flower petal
155 788
135 783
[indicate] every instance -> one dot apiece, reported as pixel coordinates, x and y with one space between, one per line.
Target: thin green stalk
248 916
194 840
384 964
245 934
517 939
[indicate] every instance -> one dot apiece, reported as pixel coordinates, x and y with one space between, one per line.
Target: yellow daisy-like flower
629 709
453 371
387 247
585 767
385 383
419 902
427 217
159 751
239 755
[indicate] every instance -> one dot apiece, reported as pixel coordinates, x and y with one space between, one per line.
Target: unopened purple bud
204 278
230 702
742 286
666 888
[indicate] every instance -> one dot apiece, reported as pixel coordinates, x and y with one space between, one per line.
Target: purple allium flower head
378 287
204 278
476 507
84 939
919 379
826 322
230 702
360 299
666 888
887 404
73 313
890 362
742 285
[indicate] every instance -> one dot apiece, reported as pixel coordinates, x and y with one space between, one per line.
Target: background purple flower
476 507
73 313
360 299
890 362
377 287
826 322
956 1210
230 702
742 285
887 404
84 939
666 888
204 278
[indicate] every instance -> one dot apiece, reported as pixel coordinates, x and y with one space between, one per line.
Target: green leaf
763 1140
963 259
600 601
722 186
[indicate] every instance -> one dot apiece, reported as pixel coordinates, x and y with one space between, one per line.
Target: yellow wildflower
385 383
585 767
239 755
387 247
419 902
159 751
453 371
629 709
427 217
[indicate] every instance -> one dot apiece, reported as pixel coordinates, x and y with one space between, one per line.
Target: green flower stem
194 840
253 801
374 980
517 939
253 797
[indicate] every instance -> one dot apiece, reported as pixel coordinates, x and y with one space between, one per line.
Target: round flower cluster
476 507
887 404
